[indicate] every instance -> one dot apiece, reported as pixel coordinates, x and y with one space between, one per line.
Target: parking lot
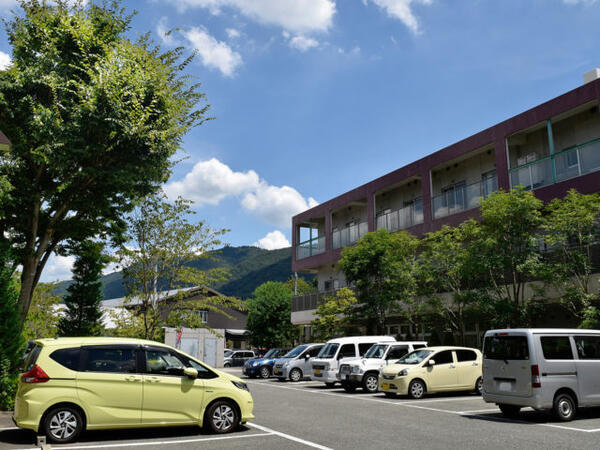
307 414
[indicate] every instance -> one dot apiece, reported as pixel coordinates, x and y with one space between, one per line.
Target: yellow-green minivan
73 384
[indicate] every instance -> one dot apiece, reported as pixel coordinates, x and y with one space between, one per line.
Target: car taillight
536 381
35 375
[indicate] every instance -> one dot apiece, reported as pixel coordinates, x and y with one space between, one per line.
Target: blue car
263 367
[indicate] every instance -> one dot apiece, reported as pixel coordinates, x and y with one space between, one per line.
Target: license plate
385 386
275 370
318 372
505 386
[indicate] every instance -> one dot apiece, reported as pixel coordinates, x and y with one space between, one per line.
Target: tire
295 375
63 424
264 372
564 407
416 389
221 417
226 365
349 387
389 394
329 385
370 383
479 386
510 411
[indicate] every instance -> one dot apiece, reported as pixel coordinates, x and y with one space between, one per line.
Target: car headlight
240 385
356 369
402 373
255 363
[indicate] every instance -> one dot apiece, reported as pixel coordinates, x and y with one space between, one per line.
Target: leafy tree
83 316
94 119
448 265
302 286
11 341
126 323
332 314
508 250
269 316
571 230
160 242
382 268
43 316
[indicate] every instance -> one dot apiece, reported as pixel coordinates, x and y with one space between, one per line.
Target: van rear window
506 348
32 357
67 357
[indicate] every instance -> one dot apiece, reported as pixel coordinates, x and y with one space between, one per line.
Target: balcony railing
307 302
569 163
403 218
464 197
311 247
349 235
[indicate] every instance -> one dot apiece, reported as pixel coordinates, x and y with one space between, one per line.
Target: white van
544 369
326 365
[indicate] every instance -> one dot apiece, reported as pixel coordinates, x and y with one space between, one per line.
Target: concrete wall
578 129
328 273
395 198
200 334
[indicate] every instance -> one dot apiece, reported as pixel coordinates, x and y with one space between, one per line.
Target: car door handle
452 366
475 364
131 378
153 379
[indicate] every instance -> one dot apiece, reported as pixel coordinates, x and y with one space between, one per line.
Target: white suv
365 371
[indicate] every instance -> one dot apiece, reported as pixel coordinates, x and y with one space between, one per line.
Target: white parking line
436 400
149 443
9 428
290 437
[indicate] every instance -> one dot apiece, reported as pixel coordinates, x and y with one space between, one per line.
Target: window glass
295 351
397 352
415 357
110 359
506 348
67 357
466 355
363 348
328 351
418 346
376 351
249 355
314 351
347 351
556 347
444 357
162 362
588 347
32 357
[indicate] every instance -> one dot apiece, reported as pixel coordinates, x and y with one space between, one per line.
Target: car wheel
479 386
222 417
510 411
390 394
329 385
349 387
564 407
227 365
370 383
295 375
63 424
416 389
265 372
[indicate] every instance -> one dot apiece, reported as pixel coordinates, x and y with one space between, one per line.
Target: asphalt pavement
308 415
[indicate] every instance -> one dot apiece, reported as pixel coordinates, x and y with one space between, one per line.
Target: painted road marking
290 437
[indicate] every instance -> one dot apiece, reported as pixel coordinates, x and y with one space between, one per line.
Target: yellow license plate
275 371
317 372
385 386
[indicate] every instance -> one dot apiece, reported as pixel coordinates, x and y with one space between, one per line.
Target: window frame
435 357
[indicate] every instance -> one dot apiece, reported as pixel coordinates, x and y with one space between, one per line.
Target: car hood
393 369
228 376
259 360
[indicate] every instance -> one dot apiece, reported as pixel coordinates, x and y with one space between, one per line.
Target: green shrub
8 386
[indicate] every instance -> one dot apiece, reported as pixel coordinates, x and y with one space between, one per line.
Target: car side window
314 351
418 346
444 357
556 347
588 347
67 357
347 351
397 352
362 348
109 359
163 362
466 355
249 355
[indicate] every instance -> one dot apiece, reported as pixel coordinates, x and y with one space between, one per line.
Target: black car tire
564 407
227 365
221 417
63 424
370 383
479 386
265 372
295 375
416 389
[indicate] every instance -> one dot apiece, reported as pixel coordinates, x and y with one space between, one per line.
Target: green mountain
249 267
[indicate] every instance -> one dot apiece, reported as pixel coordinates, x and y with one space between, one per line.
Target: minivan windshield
505 348
271 353
376 351
328 351
228 353
416 357
295 351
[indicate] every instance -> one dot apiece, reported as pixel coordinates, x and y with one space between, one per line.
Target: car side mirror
431 362
190 372
307 357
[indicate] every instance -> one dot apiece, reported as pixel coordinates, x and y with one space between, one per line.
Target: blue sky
315 97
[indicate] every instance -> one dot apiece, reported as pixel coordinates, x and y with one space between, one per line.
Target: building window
203 315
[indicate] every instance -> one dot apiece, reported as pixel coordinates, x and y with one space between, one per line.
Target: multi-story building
549 149
4 143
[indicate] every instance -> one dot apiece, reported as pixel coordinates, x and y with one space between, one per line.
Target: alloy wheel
371 383
63 425
223 417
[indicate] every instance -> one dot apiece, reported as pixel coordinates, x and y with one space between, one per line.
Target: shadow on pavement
17 437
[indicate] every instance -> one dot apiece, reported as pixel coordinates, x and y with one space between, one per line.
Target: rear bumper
533 401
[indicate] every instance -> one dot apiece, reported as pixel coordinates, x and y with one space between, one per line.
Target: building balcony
462 197
349 235
569 163
310 247
403 218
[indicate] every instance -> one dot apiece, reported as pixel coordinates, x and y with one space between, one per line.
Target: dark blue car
263 367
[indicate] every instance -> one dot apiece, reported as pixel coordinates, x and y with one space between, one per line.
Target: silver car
554 369
295 364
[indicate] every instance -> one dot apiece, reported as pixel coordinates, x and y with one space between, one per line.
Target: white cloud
58 268
401 10
209 182
163 32
232 33
213 53
303 43
4 60
272 241
299 16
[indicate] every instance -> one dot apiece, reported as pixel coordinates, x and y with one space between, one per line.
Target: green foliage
8 385
269 315
126 323
382 267
160 240
332 315
302 286
83 316
94 119
42 318
11 341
